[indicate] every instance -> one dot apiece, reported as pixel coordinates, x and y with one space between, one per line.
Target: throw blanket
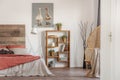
10 60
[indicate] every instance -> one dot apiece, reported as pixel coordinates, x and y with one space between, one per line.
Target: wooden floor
60 74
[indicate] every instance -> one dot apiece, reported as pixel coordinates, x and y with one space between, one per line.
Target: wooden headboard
12 36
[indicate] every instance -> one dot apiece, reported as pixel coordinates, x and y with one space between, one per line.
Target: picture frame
42 15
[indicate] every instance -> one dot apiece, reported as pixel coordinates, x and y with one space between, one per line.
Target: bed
35 67
12 43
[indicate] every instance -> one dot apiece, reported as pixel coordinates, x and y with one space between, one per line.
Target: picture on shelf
62 47
66 48
63 57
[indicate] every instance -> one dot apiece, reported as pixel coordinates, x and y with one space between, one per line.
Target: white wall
69 12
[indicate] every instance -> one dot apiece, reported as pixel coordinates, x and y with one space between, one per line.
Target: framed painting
42 14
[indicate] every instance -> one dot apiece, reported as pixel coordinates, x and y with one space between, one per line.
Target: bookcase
58 48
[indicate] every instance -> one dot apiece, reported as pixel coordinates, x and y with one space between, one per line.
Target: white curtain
37 48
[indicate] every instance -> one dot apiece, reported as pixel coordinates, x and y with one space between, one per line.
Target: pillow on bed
6 51
20 51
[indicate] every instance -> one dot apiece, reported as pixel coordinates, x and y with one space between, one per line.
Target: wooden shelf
64 42
53 56
57 31
58 67
63 52
51 36
55 35
63 61
52 46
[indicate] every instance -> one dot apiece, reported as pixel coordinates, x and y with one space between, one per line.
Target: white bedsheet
33 68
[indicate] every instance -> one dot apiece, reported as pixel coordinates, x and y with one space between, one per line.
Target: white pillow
20 51
4 49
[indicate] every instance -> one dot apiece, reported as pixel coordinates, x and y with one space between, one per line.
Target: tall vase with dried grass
84 27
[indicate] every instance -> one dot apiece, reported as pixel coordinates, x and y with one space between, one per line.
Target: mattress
34 68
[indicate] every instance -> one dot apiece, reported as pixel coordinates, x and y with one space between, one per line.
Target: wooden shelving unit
61 48
53 56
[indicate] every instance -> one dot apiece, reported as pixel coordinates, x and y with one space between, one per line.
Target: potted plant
59 26
64 38
51 52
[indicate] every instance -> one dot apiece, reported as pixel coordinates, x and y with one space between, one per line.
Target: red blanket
10 60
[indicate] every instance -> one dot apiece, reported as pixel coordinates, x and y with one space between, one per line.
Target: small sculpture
47 17
39 18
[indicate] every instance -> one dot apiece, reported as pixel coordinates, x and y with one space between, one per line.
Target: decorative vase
53 44
64 40
51 53
59 28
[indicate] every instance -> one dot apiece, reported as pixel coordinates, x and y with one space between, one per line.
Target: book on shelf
63 59
62 48
66 48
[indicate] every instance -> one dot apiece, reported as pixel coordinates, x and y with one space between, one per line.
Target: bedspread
10 60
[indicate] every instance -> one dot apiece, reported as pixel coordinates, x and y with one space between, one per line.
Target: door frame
105 55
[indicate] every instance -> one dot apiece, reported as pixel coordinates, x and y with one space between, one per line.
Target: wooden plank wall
12 35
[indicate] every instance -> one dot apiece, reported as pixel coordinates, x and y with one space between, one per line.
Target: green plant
64 36
58 24
50 51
